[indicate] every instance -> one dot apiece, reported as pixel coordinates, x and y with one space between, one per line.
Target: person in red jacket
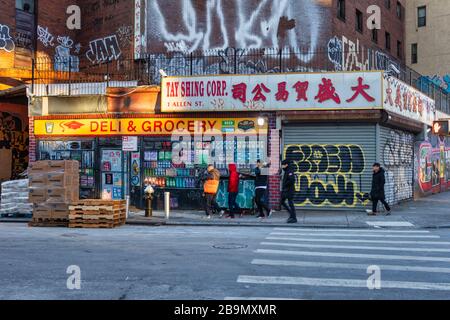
233 189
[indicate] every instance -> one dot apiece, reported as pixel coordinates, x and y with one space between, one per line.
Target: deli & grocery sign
142 126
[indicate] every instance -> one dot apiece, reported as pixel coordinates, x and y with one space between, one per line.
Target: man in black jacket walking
377 193
261 181
287 191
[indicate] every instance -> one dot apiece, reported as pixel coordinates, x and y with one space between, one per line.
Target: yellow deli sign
144 126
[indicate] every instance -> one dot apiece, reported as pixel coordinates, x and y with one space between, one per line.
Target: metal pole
33 66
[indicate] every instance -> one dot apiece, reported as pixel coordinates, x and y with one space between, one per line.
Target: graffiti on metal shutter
398 161
328 175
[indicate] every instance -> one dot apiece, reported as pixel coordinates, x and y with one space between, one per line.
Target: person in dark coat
377 193
288 190
261 182
233 190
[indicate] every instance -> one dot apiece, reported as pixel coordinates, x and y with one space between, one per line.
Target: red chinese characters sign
293 91
402 99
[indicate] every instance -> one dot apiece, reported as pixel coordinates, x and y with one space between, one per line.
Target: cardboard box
62 195
62 179
67 166
38 195
51 211
38 180
42 212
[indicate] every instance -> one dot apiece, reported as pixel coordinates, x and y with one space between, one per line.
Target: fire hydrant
148 196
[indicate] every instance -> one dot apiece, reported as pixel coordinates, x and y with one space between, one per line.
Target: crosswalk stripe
352 255
308 245
312 264
351 230
359 241
354 235
257 298
353 283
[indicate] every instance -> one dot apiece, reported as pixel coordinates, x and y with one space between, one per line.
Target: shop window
422 16
81 150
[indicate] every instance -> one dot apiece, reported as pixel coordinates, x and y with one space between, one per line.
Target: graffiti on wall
398 153
220 24
125 35
64 60
64 47
104 50
432 167
441 82
348 55
6 41
328 175
15 138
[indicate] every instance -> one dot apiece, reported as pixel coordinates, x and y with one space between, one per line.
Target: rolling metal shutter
332 163
397 158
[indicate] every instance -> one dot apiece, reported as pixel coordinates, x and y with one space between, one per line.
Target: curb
258 225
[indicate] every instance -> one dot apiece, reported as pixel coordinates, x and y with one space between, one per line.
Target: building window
399 10
414 57
387 3
422 16
359 21
399 49
388 41
375 35
25 5
341 9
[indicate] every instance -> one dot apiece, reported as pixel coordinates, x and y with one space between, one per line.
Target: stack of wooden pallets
97 214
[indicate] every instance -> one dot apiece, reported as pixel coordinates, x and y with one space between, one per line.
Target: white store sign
406 101
272 92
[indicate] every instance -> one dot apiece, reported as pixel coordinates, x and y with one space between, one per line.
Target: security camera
163 73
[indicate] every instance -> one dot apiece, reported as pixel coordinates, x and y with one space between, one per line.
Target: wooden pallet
49 224
92 226
97 214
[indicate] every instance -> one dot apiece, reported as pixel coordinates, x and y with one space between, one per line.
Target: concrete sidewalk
430 212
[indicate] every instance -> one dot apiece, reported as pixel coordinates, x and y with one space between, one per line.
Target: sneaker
270 213
370 213
222 213
208 217
388 213
292 220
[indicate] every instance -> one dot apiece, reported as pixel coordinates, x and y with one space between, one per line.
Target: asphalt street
203 263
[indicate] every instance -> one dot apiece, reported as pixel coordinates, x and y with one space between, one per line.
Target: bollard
128 206
167 204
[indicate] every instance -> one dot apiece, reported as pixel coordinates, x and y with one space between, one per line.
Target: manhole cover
230 246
